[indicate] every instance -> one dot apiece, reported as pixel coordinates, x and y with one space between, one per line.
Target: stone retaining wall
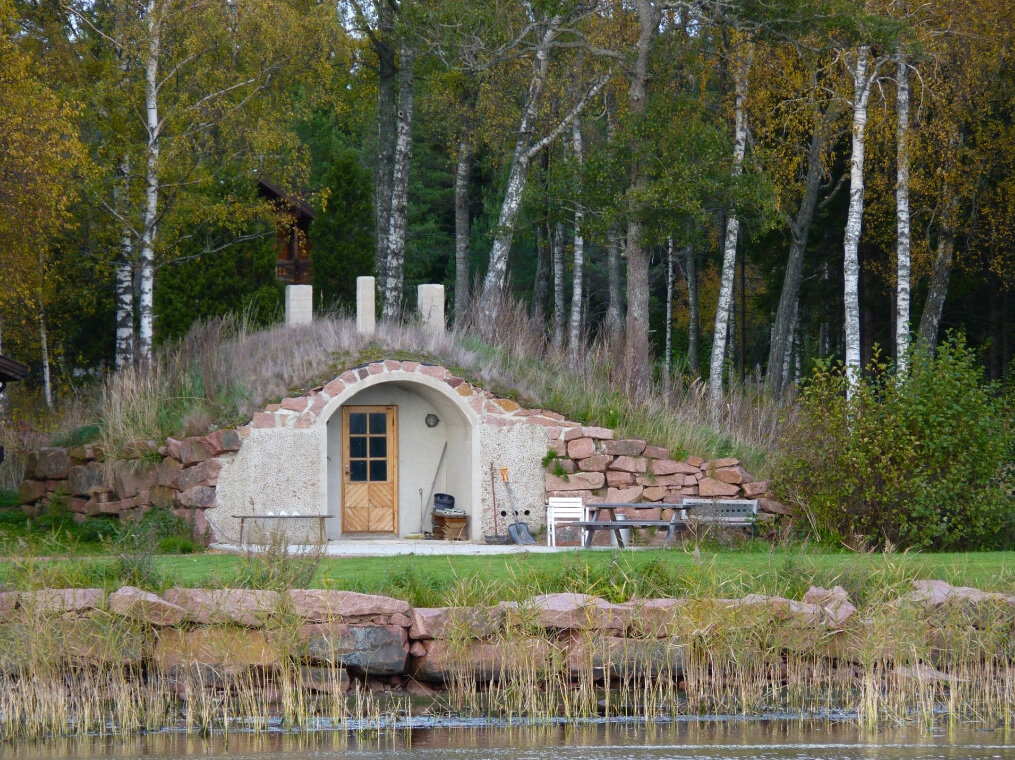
383 643
581 460
180 475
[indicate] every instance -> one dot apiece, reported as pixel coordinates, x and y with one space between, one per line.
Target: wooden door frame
391 410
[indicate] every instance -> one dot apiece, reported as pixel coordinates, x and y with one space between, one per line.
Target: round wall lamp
432 420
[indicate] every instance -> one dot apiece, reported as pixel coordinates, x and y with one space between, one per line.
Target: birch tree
395 259
724 306
526 148
577 275
903 257
864 71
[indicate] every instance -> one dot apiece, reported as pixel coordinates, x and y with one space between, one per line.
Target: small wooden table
676 523
320 522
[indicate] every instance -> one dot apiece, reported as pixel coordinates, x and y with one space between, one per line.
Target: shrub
909 462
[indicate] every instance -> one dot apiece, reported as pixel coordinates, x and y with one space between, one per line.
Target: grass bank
225 370
428 581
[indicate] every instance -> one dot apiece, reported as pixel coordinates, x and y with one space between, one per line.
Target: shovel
518 531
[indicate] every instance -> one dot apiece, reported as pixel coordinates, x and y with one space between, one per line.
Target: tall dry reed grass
225 370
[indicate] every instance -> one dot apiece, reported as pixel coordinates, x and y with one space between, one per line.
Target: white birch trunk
150 215
496 272
903 265
47 387
668 348
854 219
559 305
124 292
579 249
615 308
462 171
693 330
724 305
395 262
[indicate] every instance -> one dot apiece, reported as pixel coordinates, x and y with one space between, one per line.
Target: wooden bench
673 525
726 513
320 522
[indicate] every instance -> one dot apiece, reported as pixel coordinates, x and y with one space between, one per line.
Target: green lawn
618 576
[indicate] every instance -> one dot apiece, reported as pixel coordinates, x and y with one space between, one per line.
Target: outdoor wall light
432 420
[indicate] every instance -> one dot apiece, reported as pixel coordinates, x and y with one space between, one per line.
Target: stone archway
430 459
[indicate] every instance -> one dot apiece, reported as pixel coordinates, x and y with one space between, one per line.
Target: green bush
907 462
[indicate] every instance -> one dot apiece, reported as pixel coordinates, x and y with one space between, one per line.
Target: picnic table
687 514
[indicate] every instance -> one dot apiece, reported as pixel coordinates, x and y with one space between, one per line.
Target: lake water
734 740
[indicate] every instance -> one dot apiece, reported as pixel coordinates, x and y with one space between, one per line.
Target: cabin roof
11 370
292 204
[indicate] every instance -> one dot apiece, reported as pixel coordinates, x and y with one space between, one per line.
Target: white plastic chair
562 509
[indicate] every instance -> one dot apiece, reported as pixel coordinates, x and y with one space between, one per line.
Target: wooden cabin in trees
292 234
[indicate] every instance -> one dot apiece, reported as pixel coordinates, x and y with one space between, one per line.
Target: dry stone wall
345 637
584 460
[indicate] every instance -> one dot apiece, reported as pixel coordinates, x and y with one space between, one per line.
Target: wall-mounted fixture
432 420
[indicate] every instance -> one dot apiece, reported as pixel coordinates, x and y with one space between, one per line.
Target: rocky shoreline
345 640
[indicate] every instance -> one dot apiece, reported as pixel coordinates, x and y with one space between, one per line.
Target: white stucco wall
276 470
291 458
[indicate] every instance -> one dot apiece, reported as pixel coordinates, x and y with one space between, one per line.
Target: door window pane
357 423
378 423
358 446
378 448
358 471
378 470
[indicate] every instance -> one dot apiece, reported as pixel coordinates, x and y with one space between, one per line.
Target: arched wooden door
370 469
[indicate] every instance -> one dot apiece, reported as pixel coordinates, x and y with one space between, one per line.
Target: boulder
199 497
53 464
734 475
204 473
132 477
755 489
713 487
835 602
581 448
146 607
93 639
111 507
800 613
717 464
225 606
194 450
454 622
369 649
655 618
227 650
656 452
173 448
694 461
630 447
618 657
654 493
774 507
30 491
630 464
83 477
597 463
566 466
445 661
618 479
599 433
8 603
318 605
168 473
624 495
55 601
580 481
575 611
329 679
669 467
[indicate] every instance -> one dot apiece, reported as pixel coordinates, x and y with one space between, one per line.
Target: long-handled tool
518 530
426 504
496 538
